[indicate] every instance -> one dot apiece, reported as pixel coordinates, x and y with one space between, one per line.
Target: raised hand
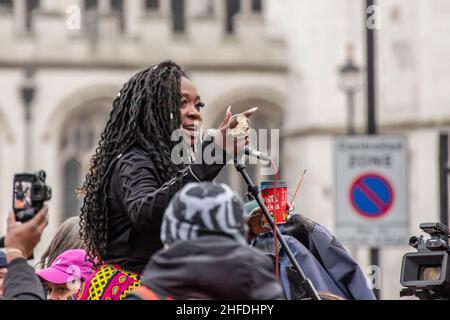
21 239
223 137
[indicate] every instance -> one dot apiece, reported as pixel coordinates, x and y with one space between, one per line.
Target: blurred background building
63 61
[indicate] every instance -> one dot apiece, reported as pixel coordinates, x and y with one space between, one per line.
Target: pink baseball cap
68 266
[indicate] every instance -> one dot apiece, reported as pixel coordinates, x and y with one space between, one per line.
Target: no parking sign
371 190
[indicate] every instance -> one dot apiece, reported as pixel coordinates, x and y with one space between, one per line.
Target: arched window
152 5
6 5
178 16
90 5
256 6
90 19
232 8
117 7
77 145
31 6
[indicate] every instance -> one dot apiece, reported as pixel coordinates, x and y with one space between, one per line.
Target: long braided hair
145 113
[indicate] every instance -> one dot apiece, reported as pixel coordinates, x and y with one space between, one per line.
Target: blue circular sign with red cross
371 195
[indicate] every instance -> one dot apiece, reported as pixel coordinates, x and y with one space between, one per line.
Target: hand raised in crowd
21 239
225 140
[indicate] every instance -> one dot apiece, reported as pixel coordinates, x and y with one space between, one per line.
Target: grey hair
67 237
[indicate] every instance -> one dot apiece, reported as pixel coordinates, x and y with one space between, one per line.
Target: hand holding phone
29 194
21 239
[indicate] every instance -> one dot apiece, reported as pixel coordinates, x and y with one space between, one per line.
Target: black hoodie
212 267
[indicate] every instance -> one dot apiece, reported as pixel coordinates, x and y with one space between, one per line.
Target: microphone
256 154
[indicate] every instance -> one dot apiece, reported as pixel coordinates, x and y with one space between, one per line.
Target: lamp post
27 93
350 83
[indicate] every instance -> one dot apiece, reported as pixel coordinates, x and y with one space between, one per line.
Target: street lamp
27 93
350 83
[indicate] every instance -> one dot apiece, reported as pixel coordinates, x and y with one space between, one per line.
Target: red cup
276 201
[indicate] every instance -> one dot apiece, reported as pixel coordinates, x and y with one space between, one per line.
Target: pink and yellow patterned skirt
110 282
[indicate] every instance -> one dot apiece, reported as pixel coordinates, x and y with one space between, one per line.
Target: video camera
29 194
426 273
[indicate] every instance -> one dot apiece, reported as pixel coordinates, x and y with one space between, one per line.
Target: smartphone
23 184
23 197
29 194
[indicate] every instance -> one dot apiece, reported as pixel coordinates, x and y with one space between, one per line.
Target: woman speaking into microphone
133 177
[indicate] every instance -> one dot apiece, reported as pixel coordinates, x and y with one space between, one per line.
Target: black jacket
22 283
137 200
212 267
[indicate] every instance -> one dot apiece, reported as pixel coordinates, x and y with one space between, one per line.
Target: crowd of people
209 252
153 228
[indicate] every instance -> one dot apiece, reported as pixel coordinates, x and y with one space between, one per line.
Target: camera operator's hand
21 239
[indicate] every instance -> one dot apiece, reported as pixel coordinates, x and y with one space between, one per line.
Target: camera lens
414 242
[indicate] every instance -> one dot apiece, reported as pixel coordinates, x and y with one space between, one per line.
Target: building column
199 8
246 7
104 7
165 8
220 12
78 3
192 7
133 12
210 7
19 9
247 23
50 6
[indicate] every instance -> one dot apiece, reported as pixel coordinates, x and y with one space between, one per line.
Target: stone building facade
63 62
72 56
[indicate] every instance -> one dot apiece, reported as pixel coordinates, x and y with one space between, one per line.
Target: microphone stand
305 283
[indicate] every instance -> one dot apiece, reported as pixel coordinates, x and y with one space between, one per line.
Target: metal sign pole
444 171
304 282
371 107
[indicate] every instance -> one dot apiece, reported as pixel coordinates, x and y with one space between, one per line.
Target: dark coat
212 267
22 283
137 200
